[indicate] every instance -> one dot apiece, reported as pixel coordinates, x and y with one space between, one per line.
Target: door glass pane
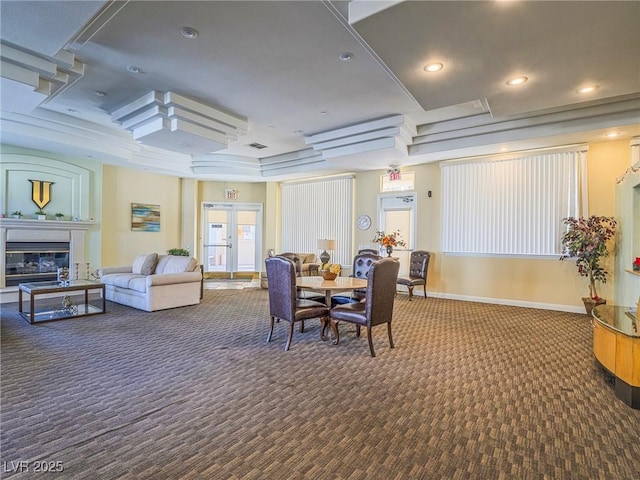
246 221
400 220
217 240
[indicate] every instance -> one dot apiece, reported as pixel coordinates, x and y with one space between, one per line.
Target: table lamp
324 244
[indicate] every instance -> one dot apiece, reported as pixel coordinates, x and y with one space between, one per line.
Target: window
320 209
512 206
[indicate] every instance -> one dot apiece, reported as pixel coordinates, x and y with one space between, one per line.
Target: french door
397 212
232 238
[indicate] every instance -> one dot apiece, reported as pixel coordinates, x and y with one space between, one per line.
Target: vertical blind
512 206
320 209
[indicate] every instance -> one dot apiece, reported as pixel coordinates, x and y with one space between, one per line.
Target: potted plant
59 216
16 214
41 214
181 252
586 240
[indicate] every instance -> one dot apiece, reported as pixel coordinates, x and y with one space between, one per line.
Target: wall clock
364 222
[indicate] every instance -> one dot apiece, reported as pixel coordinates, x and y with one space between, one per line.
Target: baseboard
502 301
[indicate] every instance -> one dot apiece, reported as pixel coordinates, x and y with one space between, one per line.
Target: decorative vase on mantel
591 303
389 250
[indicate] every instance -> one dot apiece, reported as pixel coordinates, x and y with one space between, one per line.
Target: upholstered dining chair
284 303
418 266
377 308
361 265
369 250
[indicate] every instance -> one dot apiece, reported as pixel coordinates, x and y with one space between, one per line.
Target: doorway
397 212
231 239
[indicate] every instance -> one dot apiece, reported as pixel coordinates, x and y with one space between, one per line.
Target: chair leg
286 347
389 333
424 287
334 327
270 330
324 323
357 330
302 326
410 292
373 353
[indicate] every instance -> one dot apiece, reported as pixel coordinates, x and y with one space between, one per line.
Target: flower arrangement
389 239
330 270
586 240
331 267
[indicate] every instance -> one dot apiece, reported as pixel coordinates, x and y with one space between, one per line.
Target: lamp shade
324 244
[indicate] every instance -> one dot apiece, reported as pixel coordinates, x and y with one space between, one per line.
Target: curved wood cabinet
616 345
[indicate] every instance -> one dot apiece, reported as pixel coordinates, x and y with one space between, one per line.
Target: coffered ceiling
265 91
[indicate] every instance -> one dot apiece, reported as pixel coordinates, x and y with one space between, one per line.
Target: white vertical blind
317 210
511 206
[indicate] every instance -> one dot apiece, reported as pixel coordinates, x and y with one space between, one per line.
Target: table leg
20 300
32 309
86 301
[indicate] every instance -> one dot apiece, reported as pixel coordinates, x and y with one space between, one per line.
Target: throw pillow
144 264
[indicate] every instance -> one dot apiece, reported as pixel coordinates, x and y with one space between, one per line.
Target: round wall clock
364 222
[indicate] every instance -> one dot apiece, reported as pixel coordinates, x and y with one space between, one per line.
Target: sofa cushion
144 264
138 284
121 280
175 264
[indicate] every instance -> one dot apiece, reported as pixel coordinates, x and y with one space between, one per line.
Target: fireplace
34 249
34 261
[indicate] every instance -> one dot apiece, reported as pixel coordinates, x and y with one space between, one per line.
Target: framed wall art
145 217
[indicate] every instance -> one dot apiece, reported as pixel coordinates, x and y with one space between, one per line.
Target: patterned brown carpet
471 391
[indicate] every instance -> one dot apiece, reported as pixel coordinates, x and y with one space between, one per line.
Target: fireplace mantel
31 224
29 230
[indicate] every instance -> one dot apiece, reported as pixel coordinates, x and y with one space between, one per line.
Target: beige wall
546 282
529 281
121 188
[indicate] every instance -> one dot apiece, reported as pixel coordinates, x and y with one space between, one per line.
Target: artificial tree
586 240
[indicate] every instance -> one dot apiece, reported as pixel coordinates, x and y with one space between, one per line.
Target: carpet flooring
471 391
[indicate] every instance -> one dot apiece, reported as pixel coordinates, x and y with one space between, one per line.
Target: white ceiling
276 68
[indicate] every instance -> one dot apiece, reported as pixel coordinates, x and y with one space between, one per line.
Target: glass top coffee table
45 303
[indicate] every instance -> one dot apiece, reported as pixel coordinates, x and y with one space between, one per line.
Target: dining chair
284 303
369 250
295 258
418 266
361 265
377 307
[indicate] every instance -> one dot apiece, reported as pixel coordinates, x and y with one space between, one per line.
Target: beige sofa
154 282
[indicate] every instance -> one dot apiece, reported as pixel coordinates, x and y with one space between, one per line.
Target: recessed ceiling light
185 145
299 132
134 69
516 81
612 134
100 93
72 110
189 32
346 56
433 67
323 113
588 89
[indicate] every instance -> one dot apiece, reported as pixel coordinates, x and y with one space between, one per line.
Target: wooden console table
616 346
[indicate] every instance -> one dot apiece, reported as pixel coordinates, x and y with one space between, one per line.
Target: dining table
329 287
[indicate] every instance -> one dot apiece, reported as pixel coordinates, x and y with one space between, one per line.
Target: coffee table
65 309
